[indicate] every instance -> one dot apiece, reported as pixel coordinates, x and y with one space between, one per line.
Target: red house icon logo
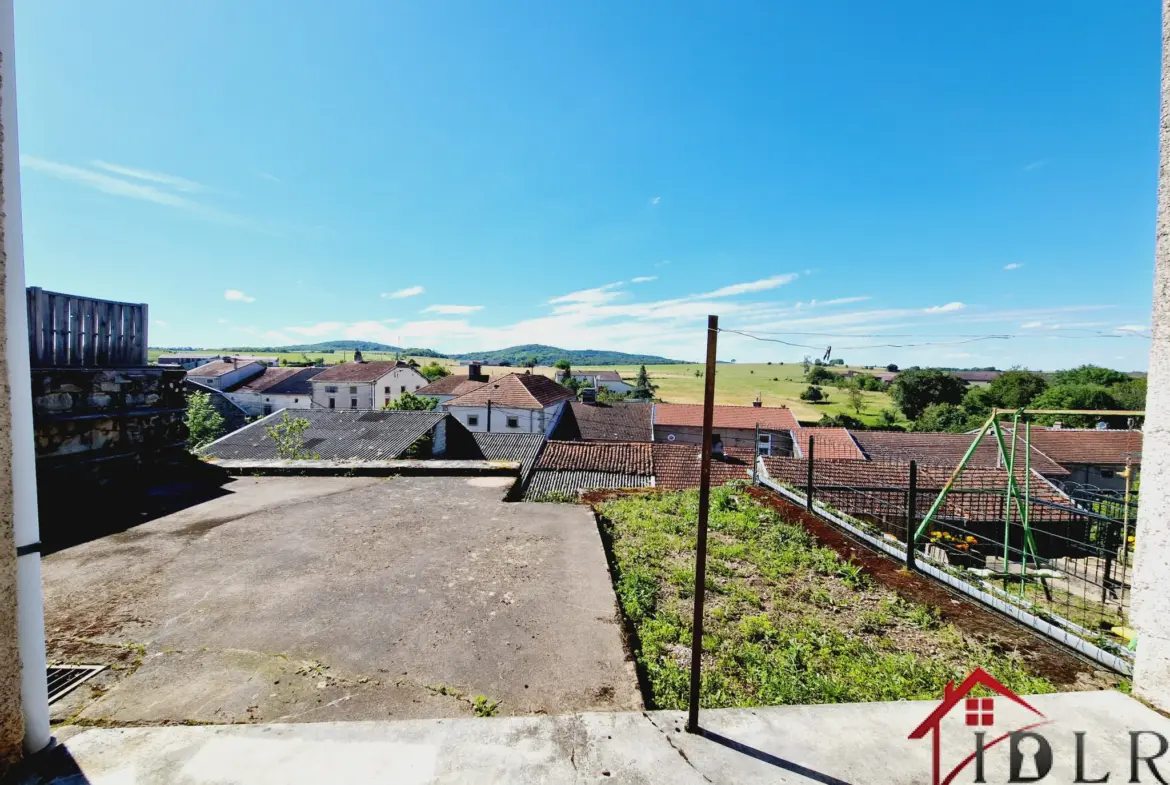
978 713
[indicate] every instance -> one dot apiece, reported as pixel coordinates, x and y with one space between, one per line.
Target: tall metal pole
701 541
911 514
808 490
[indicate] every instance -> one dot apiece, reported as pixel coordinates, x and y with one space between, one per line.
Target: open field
778 384
788 620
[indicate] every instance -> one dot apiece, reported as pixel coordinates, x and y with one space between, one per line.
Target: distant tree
1076 396
531 362
840 421
644 389
977 404
941 417
1090 374
698 373
563 365
870 382
917 388
574 384
1016 388
204 423
769 362
606 395
805 363
855 398
819 374
888 418
433 371
409 402
1131 395
837 361
892 368
289 435
413 363
812 394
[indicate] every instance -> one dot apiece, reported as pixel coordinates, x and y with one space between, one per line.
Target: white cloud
221 321
1035 165
1031 325
238 296
597 295
106 183
1132 329
317 330
276 336
948 308
761 285
410 291
1013 266
452 309
270 177
169 180
655 199
644 279
663 263
846 300
161 323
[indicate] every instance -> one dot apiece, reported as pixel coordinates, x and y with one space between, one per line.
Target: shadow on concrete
72 516
54 766
770 759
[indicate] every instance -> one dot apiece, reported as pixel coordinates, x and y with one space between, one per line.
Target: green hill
547 355
337 346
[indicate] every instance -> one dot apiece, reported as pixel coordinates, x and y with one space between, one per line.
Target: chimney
757 403
588 395
1056 426
716 446
474 371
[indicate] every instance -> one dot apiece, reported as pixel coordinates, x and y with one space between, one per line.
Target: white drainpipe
30 630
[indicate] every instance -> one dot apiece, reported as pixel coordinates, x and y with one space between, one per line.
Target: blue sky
468 175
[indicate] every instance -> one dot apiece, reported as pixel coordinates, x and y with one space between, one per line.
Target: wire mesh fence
1063 555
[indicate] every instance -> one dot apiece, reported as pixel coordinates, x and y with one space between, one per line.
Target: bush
819 374
433 371
941 417
409 402
204 423
918 388
812 394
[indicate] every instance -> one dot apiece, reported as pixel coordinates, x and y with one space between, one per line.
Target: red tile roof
450 385
1088 447
516 390
677 466
771 417
217 368
946 449
832 443
358 372
607 422
619 457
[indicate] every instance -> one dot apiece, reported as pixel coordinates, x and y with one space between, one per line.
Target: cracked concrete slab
315 599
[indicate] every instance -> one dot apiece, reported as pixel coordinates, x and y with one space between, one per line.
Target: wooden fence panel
65 330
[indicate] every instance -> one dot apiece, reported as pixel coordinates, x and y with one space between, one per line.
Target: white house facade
516 403
275 389
364 385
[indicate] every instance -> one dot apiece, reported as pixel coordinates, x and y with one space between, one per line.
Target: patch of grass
788 621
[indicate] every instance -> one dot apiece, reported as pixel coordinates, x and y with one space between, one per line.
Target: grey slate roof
522 447
335 434
571 482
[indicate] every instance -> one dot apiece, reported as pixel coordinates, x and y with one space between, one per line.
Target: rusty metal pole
701 540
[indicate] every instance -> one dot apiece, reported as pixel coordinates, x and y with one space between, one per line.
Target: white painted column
29 598
1151 600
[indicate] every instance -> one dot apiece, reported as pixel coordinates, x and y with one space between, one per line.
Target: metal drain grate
64 679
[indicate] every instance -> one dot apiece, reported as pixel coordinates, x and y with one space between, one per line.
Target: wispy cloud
947 308
238 296
1013 266
316 330
169 180
644 279
596 295
270 177
655 199
221 321
846 300
410 291
452 309
158 322
663 263
1035 165
761 285
1031 325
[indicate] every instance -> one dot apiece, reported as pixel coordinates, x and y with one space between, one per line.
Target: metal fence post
808 493
756 458
911 515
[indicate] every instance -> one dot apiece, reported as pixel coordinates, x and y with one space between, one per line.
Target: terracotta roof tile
617 457
830 443
272 377
358 372
677 466
610 422
516 390
450 385
772 417
1090 447
944 449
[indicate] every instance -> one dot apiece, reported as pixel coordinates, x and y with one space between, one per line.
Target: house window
332 403
330 388
268 408
404 388
765 444
980 711
353 390
387 390
296 400
473 419
1107 474
353 403
513 422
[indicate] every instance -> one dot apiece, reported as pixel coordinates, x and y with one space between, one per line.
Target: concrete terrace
330 598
